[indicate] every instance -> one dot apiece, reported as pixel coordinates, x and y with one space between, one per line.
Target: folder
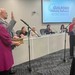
18 40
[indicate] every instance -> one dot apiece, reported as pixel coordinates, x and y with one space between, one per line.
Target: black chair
42 31
18 32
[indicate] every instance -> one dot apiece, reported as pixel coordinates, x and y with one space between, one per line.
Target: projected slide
58 11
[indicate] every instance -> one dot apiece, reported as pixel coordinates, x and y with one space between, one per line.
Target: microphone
25 23
29 27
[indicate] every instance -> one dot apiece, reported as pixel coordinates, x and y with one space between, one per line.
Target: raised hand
12 16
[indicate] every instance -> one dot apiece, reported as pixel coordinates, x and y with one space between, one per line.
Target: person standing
72 37
9 26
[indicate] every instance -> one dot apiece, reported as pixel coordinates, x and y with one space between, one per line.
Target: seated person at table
33 32
48 30
23 32
62 28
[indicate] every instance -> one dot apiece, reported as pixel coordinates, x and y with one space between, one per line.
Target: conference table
39 46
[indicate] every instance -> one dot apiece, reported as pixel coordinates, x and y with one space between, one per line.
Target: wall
23 9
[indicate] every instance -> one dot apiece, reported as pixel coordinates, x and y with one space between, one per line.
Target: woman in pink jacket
6 58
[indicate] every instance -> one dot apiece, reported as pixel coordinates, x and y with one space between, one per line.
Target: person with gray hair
9 26
33 32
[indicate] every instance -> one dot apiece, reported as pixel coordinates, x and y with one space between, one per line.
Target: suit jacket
6 58
9 26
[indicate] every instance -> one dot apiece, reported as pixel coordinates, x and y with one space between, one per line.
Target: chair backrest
18 32
42 31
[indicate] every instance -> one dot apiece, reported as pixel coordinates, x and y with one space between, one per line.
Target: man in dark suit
48 30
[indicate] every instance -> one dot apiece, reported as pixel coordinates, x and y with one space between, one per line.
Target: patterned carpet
51 64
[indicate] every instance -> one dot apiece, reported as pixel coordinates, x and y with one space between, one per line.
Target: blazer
9 26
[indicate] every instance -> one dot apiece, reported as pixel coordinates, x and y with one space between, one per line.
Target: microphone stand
64 60
65 48
29 67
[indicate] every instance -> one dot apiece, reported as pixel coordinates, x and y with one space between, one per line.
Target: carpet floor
51 64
